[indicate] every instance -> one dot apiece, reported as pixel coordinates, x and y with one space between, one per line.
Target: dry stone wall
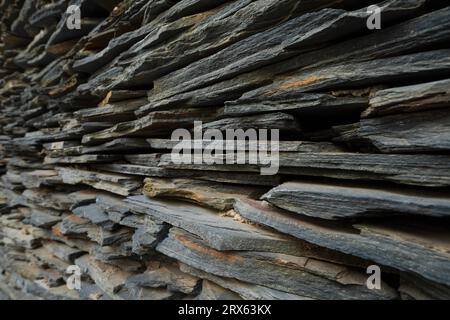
90 191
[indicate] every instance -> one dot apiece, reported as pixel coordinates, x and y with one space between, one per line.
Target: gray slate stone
339 202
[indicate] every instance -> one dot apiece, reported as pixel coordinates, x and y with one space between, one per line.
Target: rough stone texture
302 274
218 231
432 95
396 244
214 195
87 176
337 202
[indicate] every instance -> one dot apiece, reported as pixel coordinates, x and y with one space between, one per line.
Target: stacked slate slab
88 181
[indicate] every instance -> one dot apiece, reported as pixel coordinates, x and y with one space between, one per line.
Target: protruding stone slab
109 278
419 97
338 202
301 276
219 232
115 183
209 194
421 170
392 244
247 291
422 132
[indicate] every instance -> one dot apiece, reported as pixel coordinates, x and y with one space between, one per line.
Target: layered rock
356 123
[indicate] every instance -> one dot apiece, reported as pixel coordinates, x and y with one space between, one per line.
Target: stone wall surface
89 190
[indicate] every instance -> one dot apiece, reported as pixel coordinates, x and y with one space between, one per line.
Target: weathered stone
358 160
396 244
76 227
212 291
270 121
397 39
117 145
219 232
19 238
300 276
302 104
44 257
284 146
88 158
137 293
113 111
247 291
47 198
42 219
92 212
276 44
421 170
90 291
419 289
223 177
232 22
344 75
155 123
62 251
337 202
419 97
169 277
423 132
40 178
48 14
214 195
109 278
115 183
107 238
